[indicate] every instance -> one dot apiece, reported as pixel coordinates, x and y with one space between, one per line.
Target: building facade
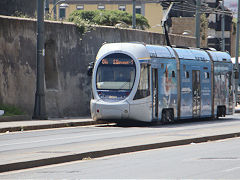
212 34
152 10
214 27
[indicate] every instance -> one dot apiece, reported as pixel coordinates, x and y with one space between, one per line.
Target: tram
237 80
150 83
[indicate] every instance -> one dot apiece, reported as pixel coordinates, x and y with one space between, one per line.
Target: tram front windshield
116 72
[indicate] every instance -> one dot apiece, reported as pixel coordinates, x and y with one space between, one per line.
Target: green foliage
84 19
142 22
22 15
234 20
203 26
10 110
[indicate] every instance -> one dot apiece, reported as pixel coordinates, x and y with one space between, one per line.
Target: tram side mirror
90 68
236 75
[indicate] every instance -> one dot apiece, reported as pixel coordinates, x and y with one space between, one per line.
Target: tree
107 18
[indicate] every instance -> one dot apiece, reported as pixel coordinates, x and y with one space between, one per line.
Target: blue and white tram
160 83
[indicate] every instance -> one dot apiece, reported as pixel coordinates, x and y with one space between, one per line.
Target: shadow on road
178 123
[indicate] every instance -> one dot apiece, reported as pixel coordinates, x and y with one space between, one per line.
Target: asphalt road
33 145
212 160
46 138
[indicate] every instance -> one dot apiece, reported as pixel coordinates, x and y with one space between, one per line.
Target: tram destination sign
117 61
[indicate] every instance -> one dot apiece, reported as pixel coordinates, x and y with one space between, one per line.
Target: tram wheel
221 111
167 116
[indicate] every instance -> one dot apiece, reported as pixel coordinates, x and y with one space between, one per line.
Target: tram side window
207 75
144 82
186 74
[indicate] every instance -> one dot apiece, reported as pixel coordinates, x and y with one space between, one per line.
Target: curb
15 118
109 152
49 126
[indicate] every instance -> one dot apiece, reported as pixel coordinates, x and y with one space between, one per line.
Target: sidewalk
25 125
20 123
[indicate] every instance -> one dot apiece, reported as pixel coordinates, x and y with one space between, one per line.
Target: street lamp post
223 26
134 14
54 10
40 106
197 26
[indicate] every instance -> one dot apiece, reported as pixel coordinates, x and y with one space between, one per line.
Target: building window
62 13
138 9
122 7
101 7
80 7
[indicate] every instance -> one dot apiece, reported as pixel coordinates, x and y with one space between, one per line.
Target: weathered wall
68 88
17 62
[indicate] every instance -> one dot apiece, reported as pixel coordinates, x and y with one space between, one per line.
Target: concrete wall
68 88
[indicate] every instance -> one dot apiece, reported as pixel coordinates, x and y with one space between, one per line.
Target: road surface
211 160
41 145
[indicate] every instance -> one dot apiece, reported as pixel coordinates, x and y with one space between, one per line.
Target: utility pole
237 52
223 26
197 26
40 106
164 20
134 14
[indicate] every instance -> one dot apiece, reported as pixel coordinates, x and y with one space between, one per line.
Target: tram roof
187 53
220 56
143 51
160 51
167 52
138 50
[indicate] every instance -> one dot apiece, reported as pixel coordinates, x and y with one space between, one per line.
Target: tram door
230 89
196 90
155 92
